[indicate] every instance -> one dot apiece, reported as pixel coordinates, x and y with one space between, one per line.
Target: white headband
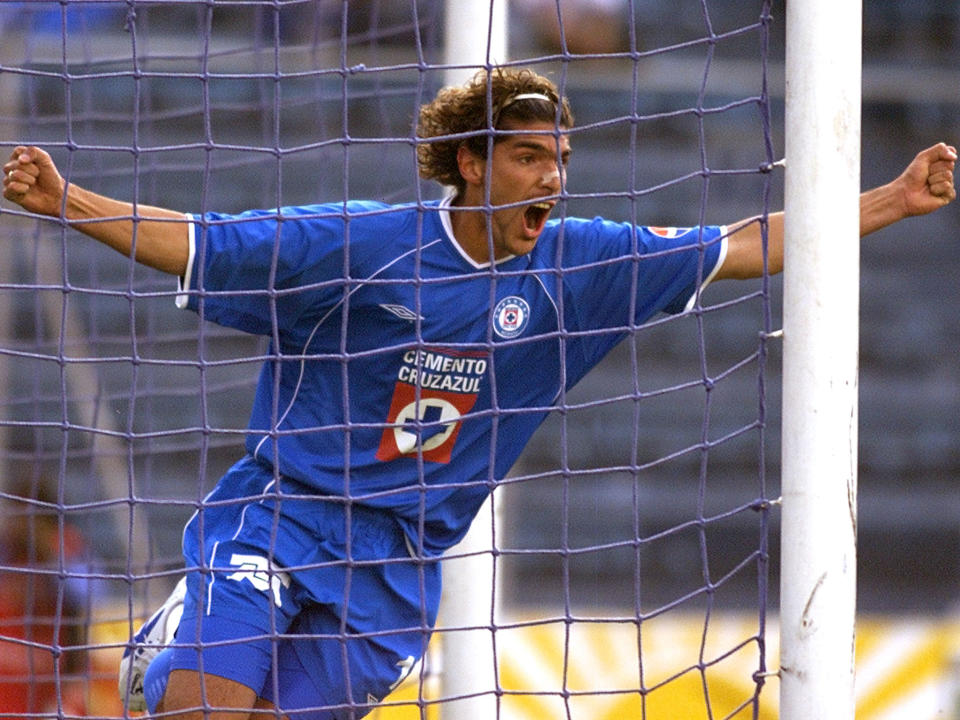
517 98
528 96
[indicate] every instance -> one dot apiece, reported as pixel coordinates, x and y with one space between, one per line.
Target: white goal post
820 324
475 35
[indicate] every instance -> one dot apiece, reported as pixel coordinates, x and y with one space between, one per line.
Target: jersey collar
448 229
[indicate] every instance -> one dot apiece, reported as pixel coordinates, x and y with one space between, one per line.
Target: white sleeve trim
713 273
183 283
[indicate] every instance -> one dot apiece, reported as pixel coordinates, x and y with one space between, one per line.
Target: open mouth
535 216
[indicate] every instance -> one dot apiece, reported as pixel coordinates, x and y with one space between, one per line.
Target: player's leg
214 662
375 604
364 622
236 600
343 652
191 690
226 640
192 696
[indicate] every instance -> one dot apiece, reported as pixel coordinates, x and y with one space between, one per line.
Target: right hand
31 180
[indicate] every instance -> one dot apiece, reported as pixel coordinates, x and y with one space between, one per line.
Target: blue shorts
281 583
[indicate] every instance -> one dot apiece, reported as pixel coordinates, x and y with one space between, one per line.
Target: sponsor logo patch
434 390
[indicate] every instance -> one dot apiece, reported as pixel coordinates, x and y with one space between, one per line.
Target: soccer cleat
156 634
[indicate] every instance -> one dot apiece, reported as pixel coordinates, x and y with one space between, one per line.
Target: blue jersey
403 374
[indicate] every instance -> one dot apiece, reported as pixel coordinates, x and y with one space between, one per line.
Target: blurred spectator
42 622
588 26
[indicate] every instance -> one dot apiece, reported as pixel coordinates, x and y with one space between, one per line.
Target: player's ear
472 166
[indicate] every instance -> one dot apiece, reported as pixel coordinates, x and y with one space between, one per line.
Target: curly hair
458 116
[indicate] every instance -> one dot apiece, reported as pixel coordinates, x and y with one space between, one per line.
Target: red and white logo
434 390
667 232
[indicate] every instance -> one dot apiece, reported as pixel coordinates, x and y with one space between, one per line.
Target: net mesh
639 512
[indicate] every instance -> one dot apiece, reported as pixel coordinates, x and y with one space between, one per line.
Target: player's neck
470 230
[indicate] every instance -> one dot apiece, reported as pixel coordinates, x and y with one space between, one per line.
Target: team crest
510 316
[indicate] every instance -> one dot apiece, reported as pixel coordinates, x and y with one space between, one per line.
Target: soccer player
415 349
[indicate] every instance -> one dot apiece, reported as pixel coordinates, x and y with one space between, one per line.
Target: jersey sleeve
264 269
617 276
620 274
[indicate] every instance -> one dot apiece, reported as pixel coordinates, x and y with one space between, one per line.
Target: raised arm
31 179
926 185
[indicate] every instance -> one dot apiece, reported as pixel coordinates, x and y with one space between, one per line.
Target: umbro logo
401 311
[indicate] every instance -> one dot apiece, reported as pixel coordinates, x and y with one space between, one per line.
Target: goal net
628 558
